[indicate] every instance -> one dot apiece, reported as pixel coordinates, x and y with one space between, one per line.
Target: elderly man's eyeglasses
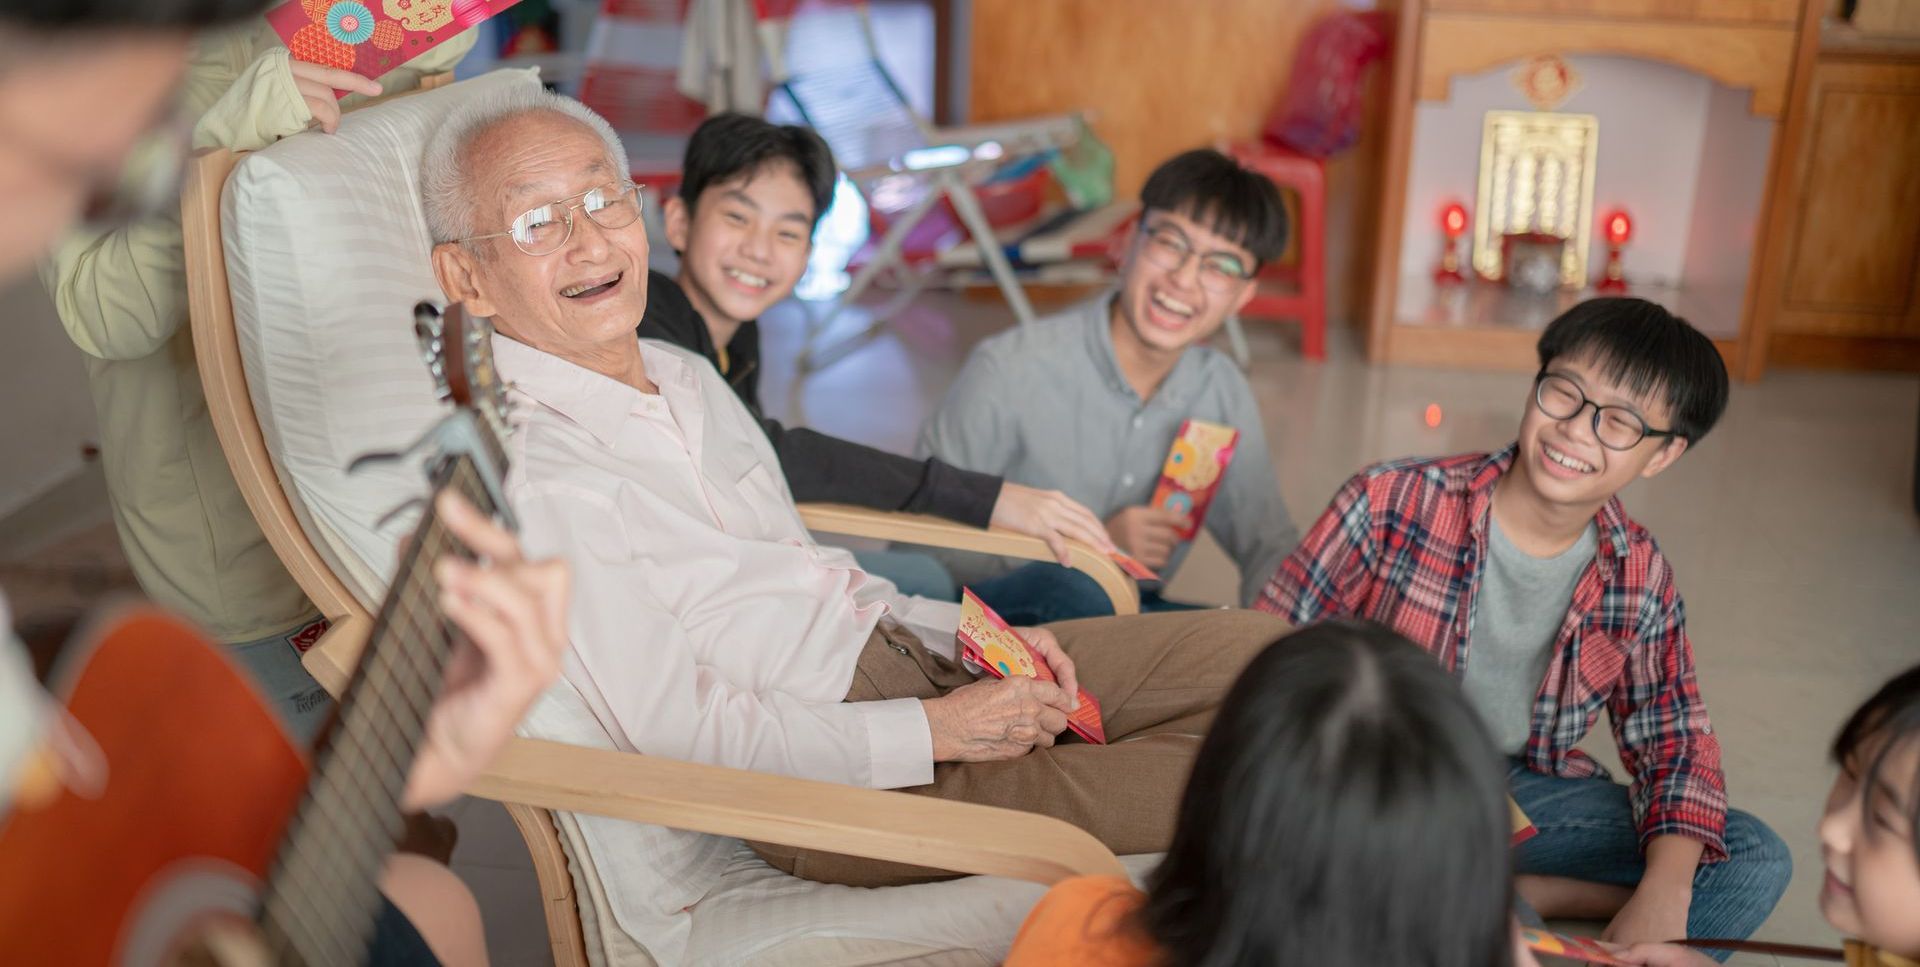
1616 427
1168 248
544 230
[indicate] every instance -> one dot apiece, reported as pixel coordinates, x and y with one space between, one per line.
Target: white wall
1726 200
1653 118
46 414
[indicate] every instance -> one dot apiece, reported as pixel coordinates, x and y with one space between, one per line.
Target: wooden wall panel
1158 76
1161 76
1860 202
1721 11
1755 58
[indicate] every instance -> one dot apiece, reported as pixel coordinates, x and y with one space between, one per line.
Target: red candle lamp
1453 224
1617 228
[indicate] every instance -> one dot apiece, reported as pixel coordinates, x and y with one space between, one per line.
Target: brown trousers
1159 679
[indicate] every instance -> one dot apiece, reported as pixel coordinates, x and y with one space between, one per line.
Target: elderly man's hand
1048 647
992 720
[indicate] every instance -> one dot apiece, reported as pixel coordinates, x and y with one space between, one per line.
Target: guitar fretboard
320 902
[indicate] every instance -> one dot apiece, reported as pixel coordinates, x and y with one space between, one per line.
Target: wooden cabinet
1841 284
1762 48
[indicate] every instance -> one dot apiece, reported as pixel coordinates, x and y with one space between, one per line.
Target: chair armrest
895 826
926 531
333 658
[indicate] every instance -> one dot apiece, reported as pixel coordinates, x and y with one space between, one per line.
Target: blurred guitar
214 840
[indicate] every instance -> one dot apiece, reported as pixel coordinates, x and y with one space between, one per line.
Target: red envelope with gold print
372 37
1195 464
986 641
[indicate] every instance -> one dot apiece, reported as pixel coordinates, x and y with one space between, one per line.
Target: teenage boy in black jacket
751 194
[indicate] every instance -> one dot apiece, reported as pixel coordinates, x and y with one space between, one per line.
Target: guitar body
202 779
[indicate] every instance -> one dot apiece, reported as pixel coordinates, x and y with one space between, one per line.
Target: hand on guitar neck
514 614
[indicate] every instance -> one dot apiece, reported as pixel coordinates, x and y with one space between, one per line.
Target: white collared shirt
706 624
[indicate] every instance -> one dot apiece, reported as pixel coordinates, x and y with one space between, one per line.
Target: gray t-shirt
1523 600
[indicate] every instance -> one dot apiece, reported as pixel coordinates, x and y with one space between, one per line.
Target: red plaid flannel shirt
1405 543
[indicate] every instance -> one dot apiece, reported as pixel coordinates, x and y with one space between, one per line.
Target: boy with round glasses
1522 573
1090 401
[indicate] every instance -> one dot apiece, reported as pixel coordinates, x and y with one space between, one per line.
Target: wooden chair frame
531 776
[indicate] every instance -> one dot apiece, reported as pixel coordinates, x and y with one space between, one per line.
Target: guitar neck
321 900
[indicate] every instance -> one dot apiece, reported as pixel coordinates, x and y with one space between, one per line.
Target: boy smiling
1522 573
1090 400
751 193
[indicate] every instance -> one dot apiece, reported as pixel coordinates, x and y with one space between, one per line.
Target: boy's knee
1754 845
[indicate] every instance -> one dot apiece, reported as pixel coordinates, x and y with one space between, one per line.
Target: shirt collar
596 403
1097 317
1610 522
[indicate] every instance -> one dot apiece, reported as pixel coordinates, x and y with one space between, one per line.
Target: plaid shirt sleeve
1327 575
1661 728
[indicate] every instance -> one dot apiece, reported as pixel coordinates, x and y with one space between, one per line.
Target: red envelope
1572 948
1191 475
372 37
986 641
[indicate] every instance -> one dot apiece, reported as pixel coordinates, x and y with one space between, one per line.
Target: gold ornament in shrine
1536 177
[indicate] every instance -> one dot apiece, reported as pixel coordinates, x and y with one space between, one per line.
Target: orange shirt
1087 921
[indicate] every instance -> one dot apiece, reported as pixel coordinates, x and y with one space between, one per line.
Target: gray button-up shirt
1046 405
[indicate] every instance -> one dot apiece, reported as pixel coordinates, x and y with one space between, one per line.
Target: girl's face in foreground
1872 888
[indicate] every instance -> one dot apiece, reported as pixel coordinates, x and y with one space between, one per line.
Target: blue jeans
1044 592
1586 832
274 663
911 571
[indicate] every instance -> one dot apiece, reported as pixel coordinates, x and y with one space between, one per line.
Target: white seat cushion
327 252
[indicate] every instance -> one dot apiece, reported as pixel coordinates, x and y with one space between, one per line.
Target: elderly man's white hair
444 165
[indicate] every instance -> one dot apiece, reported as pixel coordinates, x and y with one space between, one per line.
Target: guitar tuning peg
429 334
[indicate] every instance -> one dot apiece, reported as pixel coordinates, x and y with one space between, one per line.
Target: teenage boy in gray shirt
1089 401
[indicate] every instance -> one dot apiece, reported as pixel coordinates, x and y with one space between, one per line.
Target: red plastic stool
1295 289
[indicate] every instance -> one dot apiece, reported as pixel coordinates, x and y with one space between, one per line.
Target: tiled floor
1790 527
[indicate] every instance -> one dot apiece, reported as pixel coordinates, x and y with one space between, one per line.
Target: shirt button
1139 421
1126 480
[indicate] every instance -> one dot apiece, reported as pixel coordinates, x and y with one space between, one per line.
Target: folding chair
837 85
303 360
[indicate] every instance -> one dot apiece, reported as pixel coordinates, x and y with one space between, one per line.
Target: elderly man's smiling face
579 302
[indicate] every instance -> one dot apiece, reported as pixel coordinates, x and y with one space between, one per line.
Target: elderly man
707 625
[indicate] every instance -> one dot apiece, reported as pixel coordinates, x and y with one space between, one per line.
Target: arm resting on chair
893 826
947 835
934 532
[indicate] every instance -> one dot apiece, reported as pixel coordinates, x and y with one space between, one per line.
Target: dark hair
729 144
1649 351
1229 200
1891 718
65 15
1347 807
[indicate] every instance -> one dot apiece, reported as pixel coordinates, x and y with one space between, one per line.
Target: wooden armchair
531 776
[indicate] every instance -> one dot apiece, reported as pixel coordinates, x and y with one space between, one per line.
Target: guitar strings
352 817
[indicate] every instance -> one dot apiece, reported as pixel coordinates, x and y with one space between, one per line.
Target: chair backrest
839 87
325 252
269 280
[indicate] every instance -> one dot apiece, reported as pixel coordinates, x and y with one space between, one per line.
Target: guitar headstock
458 351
